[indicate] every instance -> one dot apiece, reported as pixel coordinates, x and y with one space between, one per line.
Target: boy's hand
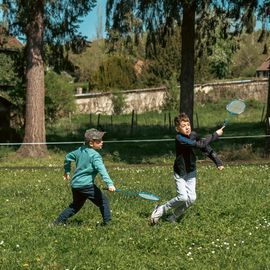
111 188
66 176
220 131
220 167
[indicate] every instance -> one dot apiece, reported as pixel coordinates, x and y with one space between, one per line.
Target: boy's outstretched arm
209 152
67 165
99 165
203 143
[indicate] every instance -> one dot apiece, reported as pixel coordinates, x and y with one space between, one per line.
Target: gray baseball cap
93 134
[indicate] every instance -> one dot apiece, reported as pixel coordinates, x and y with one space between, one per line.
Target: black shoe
57 223
103 224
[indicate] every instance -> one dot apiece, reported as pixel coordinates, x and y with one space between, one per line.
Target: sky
90 23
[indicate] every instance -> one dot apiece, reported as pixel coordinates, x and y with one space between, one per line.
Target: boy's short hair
93 134
181 117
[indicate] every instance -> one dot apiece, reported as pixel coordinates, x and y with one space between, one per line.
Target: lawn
227 228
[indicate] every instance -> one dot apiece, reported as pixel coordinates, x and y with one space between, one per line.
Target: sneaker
103 223
156 214
171 218
56 223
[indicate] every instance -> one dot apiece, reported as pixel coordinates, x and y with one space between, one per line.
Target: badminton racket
144 195
234 107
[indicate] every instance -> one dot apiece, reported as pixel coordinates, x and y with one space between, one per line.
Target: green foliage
119 104
8 72
88 62
248 57
117 72
59 98
172 96
227 228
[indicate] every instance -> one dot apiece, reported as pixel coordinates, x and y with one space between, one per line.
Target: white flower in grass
1 243
213 252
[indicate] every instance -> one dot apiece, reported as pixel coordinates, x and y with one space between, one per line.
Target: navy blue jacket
185 161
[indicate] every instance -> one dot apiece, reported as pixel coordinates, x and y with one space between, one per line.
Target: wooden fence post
165 119
170 122
132 123
98 121
197 120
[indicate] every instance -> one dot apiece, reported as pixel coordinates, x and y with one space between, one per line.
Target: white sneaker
171 218
156 214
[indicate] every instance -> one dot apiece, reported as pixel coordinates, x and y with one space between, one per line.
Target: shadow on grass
135 152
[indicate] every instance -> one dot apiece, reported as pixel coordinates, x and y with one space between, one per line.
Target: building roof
264 66
7 41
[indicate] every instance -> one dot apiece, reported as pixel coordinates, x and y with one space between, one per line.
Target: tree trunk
267 119
35 137
187 61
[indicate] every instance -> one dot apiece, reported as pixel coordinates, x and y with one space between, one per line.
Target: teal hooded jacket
88 164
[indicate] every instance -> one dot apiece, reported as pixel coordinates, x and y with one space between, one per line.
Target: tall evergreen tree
264 12
41 22
196 18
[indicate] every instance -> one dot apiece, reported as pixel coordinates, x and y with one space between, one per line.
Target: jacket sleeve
67 162
203 143
209 152
100 167
195 142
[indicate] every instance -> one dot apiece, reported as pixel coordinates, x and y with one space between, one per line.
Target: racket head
148 196
236 106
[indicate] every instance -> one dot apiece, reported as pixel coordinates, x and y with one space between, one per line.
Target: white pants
186 194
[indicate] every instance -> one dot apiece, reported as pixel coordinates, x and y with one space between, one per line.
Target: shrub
118 103
59 98
171 102
116 72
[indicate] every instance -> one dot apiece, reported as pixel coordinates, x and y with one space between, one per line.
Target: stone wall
137 100
152 99
248 89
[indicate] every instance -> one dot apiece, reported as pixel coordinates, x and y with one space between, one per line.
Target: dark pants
80 195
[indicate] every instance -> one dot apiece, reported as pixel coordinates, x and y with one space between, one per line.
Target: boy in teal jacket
88 164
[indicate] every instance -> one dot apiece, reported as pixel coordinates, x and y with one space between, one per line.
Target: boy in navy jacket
185 168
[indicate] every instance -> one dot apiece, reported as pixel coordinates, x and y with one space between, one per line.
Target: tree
197 20
99 27
42 22
264 12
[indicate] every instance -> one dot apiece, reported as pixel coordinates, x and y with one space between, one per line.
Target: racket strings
148 196
236 107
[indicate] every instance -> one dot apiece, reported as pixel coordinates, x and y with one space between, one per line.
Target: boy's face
184 128
96 144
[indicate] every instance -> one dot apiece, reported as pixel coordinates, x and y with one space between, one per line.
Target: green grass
152 125
227 228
